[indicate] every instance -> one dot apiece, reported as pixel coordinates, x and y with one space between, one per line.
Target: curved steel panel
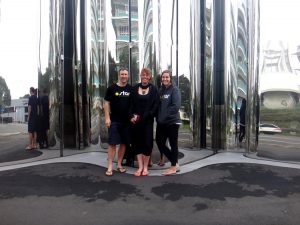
50 61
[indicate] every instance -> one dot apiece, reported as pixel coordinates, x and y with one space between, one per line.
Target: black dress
146 107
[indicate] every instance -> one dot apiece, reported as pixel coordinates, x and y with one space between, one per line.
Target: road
279 147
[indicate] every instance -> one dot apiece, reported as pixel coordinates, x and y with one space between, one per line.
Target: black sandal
109 173
121 170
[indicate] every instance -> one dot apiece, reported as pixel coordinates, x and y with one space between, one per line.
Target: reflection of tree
113 73
25 96
43 79
184 85
124 60
5 98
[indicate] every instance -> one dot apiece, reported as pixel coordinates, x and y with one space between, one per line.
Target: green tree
5 98
43 80
25 96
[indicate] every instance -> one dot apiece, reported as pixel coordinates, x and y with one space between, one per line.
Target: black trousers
164 132
242 132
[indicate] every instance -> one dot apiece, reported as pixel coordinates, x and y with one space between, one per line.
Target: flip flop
137 173
109 173
145 173
28 148
121 170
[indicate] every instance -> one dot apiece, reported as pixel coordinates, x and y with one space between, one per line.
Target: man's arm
106 107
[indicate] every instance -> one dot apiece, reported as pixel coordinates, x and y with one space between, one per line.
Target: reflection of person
143 109
32 119
242 120
116 109
168 121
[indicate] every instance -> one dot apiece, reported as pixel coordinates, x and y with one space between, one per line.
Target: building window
123 30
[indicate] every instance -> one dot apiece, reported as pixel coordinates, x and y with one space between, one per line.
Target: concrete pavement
226 188
77 193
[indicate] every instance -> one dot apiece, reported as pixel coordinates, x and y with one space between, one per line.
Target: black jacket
151 109
169 105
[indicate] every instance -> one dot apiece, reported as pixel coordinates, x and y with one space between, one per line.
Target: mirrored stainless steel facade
211 47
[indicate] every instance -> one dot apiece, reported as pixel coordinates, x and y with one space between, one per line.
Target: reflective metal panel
231 31
252 112
195 71
53 62
279 100
242 68
221 36
78 74
102 69
94 68
208 68
186 33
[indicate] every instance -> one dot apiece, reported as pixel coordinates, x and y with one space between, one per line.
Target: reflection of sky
280 20
184 38
19 45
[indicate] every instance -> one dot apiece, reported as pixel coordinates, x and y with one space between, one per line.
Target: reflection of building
148 33
242 50
276 58
17 111
120 20
295 59
279 84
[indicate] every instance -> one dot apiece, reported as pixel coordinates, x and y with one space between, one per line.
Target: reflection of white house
279 90
184 116
17 111
279 84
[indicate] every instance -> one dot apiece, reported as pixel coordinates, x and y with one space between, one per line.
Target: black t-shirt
119 98
33 102
45 105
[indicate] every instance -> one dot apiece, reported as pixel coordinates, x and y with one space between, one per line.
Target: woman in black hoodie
168 121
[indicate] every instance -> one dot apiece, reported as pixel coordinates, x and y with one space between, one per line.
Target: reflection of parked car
269 129
183 116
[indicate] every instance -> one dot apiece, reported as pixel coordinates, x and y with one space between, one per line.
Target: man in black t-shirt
116 109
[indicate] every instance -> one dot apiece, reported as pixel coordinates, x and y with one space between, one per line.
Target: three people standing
140 105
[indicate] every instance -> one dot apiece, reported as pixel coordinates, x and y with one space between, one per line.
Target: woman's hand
107 122
135 119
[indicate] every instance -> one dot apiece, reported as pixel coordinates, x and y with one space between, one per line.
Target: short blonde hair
147 71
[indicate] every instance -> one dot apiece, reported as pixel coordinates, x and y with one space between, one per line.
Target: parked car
269 129
183 116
